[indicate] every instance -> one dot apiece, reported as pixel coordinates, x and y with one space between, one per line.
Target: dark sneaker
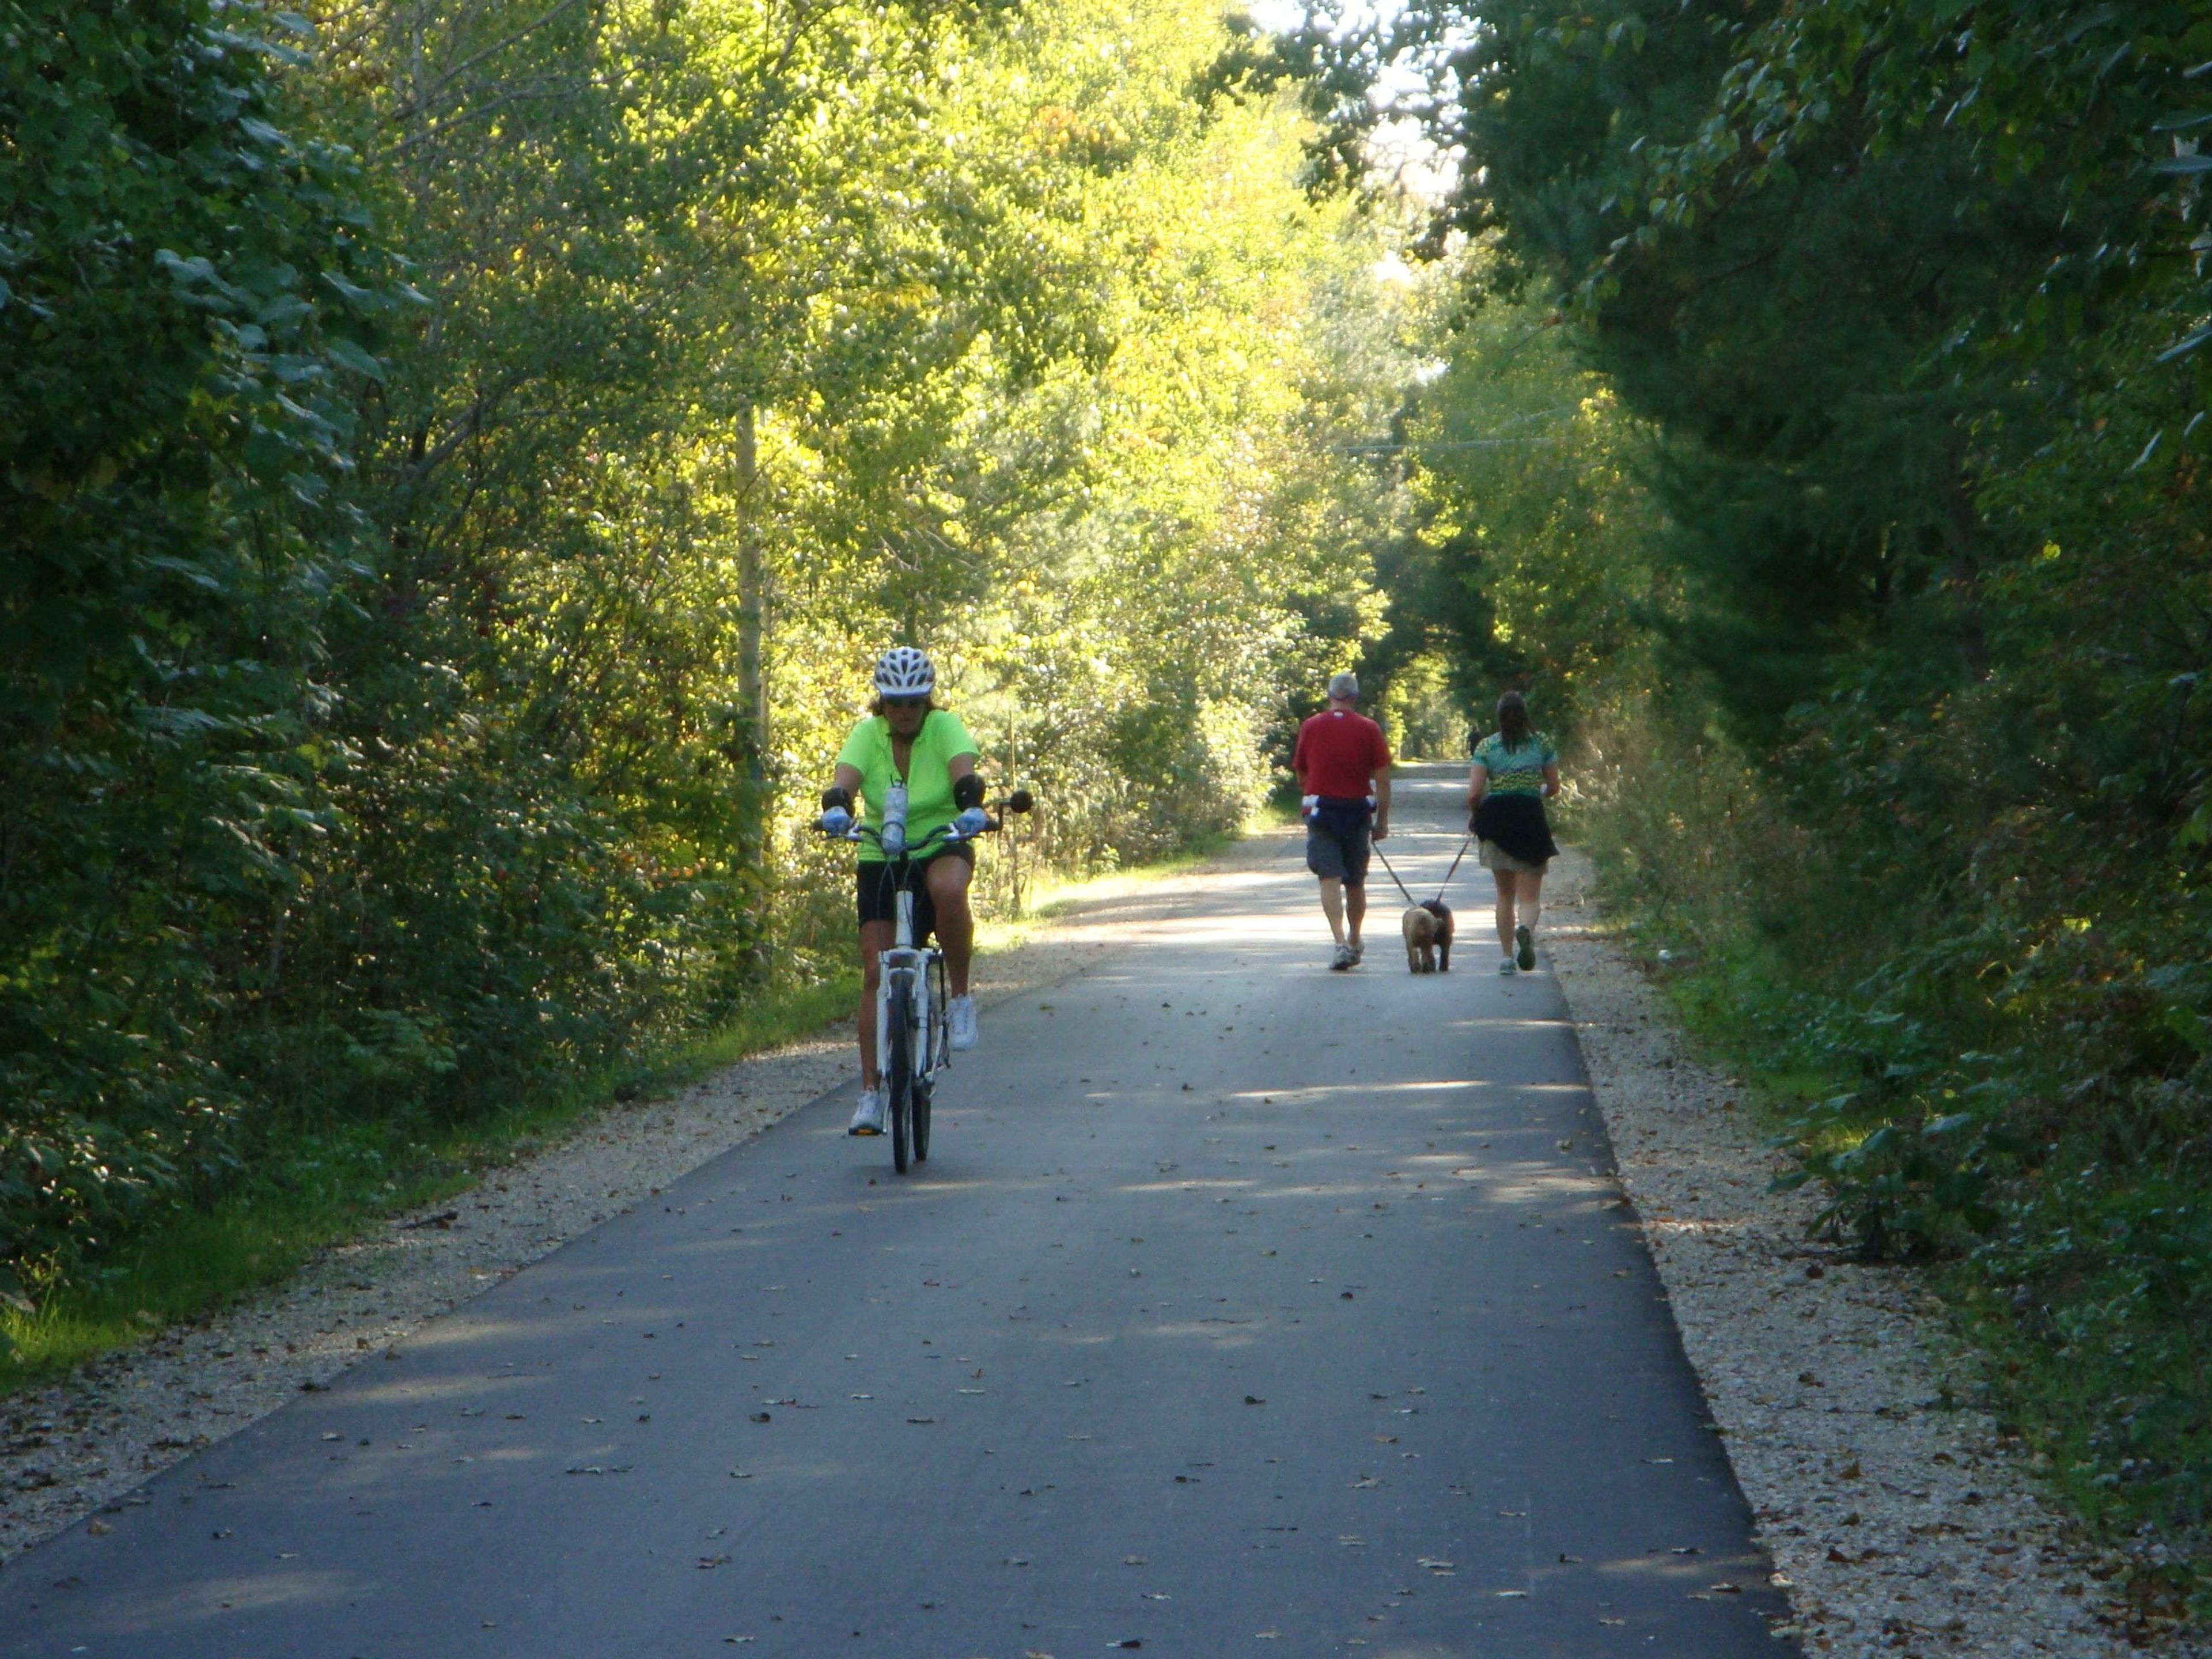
1524 950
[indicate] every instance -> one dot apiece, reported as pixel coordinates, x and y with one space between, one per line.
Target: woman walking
1515 771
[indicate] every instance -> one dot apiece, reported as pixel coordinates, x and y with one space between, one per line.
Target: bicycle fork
903 994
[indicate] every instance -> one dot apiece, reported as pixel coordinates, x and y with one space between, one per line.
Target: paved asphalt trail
1243 1308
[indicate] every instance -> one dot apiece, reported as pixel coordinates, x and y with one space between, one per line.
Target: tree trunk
752 597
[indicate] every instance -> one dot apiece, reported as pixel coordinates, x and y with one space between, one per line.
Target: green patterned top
1518 770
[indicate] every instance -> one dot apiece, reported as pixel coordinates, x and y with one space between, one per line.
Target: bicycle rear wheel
898 1079
922 1093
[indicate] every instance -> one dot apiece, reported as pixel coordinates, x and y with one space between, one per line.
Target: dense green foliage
462 455
1862 533
187 287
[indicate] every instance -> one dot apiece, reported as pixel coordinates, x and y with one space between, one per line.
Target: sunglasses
905 703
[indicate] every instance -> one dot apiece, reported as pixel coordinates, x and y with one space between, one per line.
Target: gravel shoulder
1901 1525
75 1447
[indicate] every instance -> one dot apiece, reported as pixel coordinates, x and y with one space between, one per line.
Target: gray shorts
1336 846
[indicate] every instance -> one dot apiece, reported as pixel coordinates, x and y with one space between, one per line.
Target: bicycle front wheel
922 1093
898 1082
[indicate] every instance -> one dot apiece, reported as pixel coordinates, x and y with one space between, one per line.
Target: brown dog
1428 929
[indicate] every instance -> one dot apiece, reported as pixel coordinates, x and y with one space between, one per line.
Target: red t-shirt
1337 752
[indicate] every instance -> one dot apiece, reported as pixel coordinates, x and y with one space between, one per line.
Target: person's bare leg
1355 910
1532 897
1504 910
948 878
875 940
1332 906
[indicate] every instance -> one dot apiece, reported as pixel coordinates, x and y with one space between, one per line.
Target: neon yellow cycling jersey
928 781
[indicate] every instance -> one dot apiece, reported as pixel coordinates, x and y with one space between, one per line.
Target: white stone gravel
67 1449
1900 1526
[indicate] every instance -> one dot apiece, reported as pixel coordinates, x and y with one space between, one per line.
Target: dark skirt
1517 824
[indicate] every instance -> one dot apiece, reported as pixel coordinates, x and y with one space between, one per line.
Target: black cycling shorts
876 890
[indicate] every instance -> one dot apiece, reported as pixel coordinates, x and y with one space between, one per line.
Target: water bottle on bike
893 831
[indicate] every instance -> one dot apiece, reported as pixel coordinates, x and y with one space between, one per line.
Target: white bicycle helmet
903 671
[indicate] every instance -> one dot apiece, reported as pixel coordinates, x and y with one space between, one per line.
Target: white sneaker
869 1119
960 1015
1507 968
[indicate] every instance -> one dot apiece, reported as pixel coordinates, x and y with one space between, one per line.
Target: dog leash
1456 857
1449 874
1379 853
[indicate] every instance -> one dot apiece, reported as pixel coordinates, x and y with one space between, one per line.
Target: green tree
189 295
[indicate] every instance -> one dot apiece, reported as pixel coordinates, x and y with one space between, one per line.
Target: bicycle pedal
867 1134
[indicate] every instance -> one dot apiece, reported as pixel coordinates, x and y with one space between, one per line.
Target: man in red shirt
1343 763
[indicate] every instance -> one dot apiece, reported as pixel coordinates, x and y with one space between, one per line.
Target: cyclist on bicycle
907 740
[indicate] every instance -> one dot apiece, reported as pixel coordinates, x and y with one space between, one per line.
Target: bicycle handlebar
860 832
1020 801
